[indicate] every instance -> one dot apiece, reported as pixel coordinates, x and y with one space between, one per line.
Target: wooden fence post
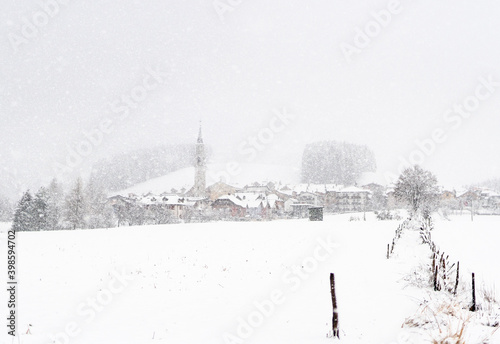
458 276
473 307
444 271
433 263
436 283
335 319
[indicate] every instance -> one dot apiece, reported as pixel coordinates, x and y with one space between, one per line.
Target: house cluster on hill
221 201
480 199
251 202
267 200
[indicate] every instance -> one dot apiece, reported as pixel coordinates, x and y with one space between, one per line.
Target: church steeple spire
200 138
200 168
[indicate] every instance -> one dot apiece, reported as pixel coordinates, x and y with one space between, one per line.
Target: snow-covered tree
74 206
418 189
378 200
448 205
121 213
99 214
158 214
6 210
23 216
55 205
40 210
136 215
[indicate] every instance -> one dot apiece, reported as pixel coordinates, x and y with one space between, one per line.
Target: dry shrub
453 335
488 294
489 309
446 323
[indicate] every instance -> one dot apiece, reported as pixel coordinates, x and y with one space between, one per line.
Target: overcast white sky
232 74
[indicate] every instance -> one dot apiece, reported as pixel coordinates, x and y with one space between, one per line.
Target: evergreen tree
6 211
378 200
158 214
74 206
121 213
40 210
55 205
99 214
137 215
23 216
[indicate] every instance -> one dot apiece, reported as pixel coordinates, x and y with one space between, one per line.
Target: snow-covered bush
388 215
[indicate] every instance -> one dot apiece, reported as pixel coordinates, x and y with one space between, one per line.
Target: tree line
84 206
50 208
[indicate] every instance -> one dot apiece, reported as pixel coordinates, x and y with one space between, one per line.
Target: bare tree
418 189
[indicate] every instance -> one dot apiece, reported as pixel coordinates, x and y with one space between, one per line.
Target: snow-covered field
476 244
233 282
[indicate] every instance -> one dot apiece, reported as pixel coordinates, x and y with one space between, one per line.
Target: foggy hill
336 162
124 170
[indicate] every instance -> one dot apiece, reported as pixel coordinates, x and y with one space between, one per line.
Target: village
276 200
270 201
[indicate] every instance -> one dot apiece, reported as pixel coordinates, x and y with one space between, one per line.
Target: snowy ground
476 244
233 282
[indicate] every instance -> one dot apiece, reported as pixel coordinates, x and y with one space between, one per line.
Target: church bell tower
200 168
